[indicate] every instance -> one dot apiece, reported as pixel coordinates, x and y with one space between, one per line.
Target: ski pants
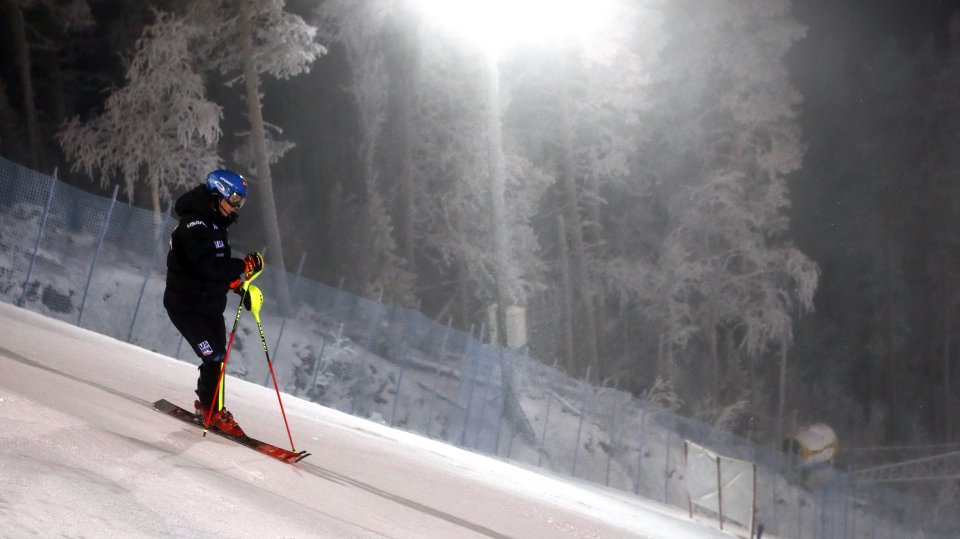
207 336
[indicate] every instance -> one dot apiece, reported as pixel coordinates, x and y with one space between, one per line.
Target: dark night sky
861 24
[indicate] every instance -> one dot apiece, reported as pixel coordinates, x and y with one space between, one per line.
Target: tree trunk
405 175
406 74
571 214
783 391
947 324
22 50
566 315
463 292
265 197
714 350
890 337
497 193
58 96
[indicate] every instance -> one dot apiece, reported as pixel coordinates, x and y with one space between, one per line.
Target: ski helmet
229 185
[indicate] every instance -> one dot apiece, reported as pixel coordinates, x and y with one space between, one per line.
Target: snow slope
83 454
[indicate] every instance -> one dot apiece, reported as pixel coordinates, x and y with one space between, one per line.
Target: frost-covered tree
456 227
244 40
577 112
69 16
158 130
731 134
358 26
450 219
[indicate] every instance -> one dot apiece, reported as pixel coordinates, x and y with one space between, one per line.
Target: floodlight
496 24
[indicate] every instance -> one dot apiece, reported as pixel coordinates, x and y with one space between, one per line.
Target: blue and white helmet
230 185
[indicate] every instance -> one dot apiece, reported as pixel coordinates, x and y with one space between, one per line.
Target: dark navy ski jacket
199 266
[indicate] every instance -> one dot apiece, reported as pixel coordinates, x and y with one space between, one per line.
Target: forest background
743 210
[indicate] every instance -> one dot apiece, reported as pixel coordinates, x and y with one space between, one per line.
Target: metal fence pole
483 401
643 421
470 377
96 254
436 377
773 506
405 349
374 323
800 519
666 468
146 278
856 494
613 426
513 431
503 401
316 364
583 413
36 246
543 436
293 288
469 373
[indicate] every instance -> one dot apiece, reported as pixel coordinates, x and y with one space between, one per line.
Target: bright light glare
497 24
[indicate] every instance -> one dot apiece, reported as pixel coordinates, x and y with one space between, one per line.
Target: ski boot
221 420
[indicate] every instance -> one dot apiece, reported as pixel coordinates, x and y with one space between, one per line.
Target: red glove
237 286
254 264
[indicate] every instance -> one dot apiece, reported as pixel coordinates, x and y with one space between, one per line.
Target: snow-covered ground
83 454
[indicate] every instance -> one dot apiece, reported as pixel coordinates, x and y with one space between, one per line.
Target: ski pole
255 300
217 392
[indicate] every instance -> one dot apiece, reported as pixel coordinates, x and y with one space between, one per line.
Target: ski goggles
236 200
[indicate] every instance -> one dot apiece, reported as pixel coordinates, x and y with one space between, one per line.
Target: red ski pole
255 302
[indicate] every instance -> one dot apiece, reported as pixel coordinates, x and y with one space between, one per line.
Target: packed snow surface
84 454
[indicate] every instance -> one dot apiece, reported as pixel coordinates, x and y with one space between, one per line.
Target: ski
279 453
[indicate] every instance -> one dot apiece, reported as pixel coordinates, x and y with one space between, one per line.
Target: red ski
278 453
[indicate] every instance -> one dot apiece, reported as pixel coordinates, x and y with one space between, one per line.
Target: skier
200 272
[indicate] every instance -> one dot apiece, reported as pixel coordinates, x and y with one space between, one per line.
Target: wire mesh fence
98 263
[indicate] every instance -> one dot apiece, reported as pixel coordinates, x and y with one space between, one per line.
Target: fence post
719 493
283 322
614 444
371 327
483 399
472 381
96 254
36 246
666 468
643 420
337 300
436 376
543 436
146 278
503 400
583 412
404 356
513 431
800 518
316 364
753 503
855 488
